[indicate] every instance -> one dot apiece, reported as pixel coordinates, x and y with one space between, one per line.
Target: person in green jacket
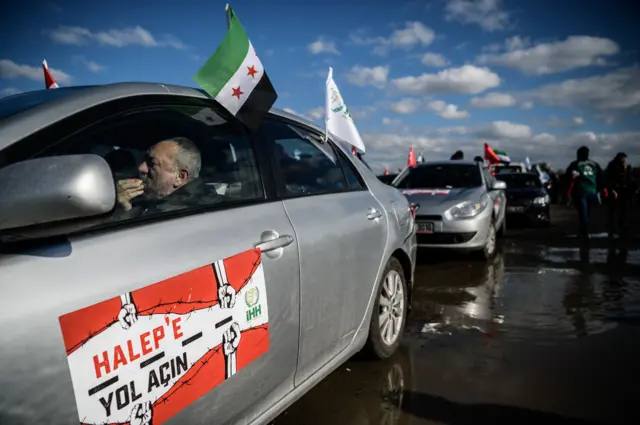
585 187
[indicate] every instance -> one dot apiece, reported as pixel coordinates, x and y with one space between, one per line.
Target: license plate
425 227
515 209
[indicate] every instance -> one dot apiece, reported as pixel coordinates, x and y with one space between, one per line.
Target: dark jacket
193 194
620 178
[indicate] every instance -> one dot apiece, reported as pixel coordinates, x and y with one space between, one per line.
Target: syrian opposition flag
49 82
235 78
495 156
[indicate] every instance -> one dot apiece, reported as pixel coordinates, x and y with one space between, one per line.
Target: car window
354 180
307 166
173 157
439 176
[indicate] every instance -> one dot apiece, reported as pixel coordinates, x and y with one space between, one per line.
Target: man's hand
575 174
127 190
615 194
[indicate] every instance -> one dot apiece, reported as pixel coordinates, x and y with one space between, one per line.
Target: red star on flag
209 118
252 71
237 92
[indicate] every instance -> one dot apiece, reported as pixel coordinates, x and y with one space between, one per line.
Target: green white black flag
234 76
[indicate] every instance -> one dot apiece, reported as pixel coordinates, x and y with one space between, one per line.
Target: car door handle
273 244
373 214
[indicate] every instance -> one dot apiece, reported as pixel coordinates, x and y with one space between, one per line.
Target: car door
341 232
173 315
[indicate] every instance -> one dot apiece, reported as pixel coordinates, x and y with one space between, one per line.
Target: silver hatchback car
459 205
160 263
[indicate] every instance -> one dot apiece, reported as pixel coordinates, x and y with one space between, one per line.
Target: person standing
621 188
586 182
457 156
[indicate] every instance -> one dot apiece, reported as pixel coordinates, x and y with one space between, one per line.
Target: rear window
17 103
521 181
508 169
440 176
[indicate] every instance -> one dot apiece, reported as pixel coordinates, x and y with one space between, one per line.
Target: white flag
338 119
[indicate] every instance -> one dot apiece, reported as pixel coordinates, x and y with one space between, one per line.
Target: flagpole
226 9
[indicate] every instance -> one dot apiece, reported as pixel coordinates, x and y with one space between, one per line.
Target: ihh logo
253 313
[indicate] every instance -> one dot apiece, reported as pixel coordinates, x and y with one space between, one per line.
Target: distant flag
338 119
49 82
411 161
386 171
420 158
354 151
527 163
495 156
235 78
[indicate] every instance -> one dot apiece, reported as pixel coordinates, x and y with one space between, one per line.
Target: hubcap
491 240
393 394
391 311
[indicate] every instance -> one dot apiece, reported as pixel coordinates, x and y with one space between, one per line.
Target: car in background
387 178
280 258
459 205
527 199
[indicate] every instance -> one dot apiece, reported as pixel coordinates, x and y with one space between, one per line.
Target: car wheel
389 314
490 245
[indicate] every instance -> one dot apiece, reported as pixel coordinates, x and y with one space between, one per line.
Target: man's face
159 173
623 160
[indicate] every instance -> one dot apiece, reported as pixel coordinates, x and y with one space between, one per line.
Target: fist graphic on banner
231 339
142 414
227 296
128 314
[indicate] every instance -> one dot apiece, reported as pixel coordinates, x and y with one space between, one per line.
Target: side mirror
55 188
499 185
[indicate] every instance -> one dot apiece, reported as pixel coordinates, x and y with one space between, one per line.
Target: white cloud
115 37
578 120
9 91
362 76
413 34
406 106
323 46
11 70
447 110
435 60
549 58
486 13
493 100
94 66
315 113
617 90
504 130
527 105
391 121
390 148
467 79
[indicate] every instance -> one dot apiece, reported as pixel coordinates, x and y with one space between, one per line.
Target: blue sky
536 78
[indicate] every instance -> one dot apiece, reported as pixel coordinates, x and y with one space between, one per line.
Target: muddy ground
545 333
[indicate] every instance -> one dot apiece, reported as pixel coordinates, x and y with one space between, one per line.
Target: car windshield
12 105
440 176
521 181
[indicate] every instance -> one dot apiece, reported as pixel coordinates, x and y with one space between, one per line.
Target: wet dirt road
546 333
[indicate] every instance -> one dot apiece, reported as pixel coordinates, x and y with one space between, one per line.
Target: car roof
54 105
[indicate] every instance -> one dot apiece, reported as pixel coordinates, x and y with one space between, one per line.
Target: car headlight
541 200
466 209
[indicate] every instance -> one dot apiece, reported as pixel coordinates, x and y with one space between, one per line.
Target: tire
378 345
490 245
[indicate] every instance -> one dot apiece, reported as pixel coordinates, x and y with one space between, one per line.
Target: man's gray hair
188 156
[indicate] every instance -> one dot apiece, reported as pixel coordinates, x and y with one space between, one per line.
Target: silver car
459 205
161 263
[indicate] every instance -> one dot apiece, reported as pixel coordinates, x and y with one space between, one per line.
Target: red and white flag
49 82
411 161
